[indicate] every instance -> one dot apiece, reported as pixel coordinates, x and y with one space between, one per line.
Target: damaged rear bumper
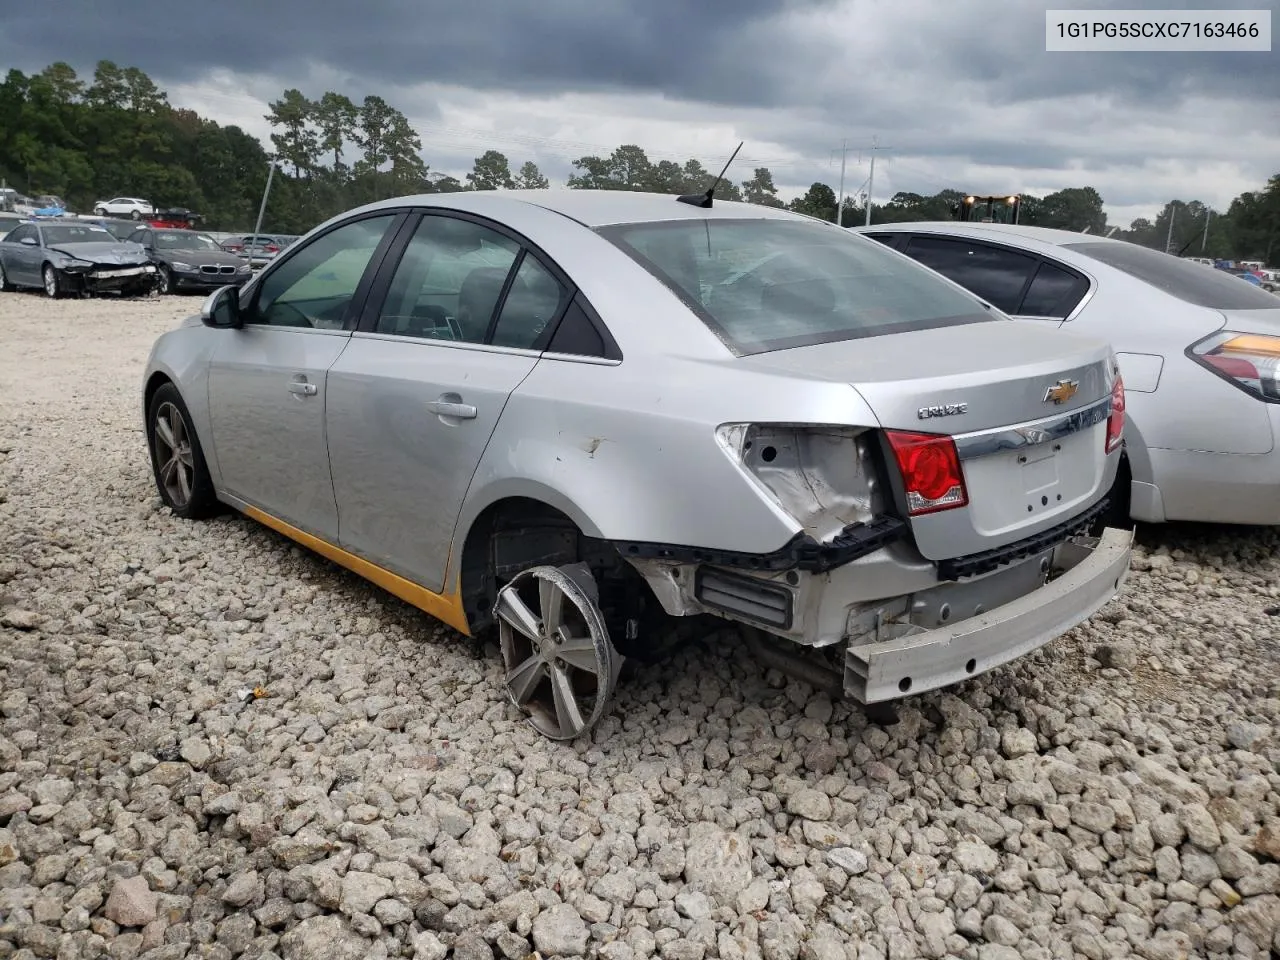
909 659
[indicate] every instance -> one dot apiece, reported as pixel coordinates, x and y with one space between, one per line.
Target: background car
1199 350
186 260
8 221
259 249
120 229
556 413
130 207
66 257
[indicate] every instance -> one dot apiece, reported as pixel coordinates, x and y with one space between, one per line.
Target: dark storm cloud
691 50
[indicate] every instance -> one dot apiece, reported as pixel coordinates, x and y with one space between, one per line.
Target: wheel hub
560 666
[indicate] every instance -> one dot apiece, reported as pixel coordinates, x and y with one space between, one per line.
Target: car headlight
77 265
184 267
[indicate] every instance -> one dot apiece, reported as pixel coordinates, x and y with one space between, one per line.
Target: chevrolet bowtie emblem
1061 392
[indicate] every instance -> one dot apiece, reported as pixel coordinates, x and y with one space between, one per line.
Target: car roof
593 208
989 231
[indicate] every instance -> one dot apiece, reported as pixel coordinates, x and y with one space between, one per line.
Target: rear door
267 380
415 398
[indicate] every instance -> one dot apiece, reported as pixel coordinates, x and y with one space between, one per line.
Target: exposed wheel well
517 533
154 383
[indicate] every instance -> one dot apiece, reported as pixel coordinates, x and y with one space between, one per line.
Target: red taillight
1115 422
272 248
931 474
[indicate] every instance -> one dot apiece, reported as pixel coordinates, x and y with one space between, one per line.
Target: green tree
491 171
1072 209
336 117
297 143
760 189
63 84
1255 223
818 201
627 168
531 178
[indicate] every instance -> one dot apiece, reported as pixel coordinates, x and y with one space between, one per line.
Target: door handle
302 389
453 408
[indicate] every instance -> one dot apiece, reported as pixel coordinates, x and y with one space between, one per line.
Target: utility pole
257 227
1168 241
844 153
871 180
1205 242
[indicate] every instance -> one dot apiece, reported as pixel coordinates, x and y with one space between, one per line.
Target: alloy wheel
560 666
174 459
50 281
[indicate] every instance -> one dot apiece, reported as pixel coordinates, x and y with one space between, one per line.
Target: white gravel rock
1115 793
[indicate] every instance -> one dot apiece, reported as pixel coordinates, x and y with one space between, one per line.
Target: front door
267 380
414 399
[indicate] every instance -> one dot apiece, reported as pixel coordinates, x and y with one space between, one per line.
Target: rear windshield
1189 281
766 285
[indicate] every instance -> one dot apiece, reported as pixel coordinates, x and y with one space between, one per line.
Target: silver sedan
576 416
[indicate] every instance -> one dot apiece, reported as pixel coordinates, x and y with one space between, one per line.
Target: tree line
119 135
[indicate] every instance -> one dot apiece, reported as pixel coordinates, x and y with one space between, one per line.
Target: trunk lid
1027 407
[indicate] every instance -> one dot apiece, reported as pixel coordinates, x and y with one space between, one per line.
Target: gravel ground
1115 795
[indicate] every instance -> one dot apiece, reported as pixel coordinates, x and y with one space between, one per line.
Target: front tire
164 279
100 211
136 214
53 285
182 476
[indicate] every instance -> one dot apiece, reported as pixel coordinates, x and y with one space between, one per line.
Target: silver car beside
68 257
1199 350
573 416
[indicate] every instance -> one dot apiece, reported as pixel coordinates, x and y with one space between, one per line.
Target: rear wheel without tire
560 666
176 458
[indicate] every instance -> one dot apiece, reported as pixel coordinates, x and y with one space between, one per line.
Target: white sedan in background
1199 351
130 207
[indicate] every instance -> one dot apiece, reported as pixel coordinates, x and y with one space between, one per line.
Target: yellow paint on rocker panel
444 607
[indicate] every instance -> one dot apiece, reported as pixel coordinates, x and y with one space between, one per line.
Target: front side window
21 233
448 283
767 284
995 274
1189 282
315 286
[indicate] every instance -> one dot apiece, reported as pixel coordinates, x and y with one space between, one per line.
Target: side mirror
222 309
29 241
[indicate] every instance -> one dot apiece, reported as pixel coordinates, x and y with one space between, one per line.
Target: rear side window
1054 292
1189 282
768 284
997 275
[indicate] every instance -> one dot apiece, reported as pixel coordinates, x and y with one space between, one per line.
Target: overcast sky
961 94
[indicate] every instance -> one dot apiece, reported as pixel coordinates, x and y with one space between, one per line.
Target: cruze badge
1061 392
942 410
